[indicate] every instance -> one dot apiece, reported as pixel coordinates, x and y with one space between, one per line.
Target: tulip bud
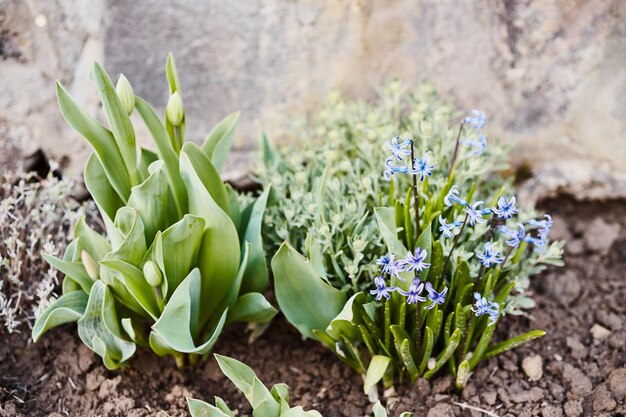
174 109
152 273
125 93
91 266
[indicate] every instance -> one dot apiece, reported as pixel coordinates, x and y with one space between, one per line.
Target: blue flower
480 144
385 262
398 149
515 237
382 290
489 256
422 167
413 295
392 169
483 307
506 210
477 121
434 296
453 197
474 214
448 228
544 225
415 262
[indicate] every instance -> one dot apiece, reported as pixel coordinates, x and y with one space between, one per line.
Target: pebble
579 351
617 383
535 394
599 333
441 410
565 287
575 247
573 408
551 411
610 320
489 397
533 367
579 383
603 400
443 385
600 235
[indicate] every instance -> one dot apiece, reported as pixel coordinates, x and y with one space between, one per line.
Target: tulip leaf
239 373
199 408
256 278
94 243
253 308
94 328
100 138
344 323
220 251
65 309
307 301
218 143
75 270
133 247
118 119
375 371
150 198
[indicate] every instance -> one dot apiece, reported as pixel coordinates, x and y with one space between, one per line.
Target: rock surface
550 74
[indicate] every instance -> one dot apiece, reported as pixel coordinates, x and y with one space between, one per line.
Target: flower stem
456 241
416 199
456 149
418 333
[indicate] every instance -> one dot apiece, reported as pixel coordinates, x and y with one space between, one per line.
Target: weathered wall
551 74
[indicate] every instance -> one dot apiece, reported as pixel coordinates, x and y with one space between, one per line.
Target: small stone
573 408
603 400
423 387
617 383
575 247
599 333
565 287
489 397
600 235
579 383
579 351
443 385
610 320
441 410
551 411
535 394
533 367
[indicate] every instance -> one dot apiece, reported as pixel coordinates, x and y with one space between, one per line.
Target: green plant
265 402
438 243
181 257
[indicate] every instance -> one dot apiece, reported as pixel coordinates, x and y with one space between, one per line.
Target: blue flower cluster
477 121
399 151
482 307
413 262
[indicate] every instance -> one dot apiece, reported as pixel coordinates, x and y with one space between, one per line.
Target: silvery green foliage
36 215
265 402
181 257
327 182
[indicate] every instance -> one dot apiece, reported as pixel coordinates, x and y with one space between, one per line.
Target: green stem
416 200
456 241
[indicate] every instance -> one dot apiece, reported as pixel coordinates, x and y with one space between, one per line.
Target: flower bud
125 93
91 266
152 273
174 109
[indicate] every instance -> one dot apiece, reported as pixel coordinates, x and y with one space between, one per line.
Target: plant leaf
379 410
75 270
150 199
256 277
65 309
375 371
252 308
307 301
513 343
446 354
218 143
239 373
199 408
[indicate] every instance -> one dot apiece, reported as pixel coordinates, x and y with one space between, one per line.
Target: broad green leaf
239 373
133 248
150 199
436 263
407 359
268 152
482 345
65 309
166 153
220 252
387 227
263 403
375 371
74 270
180 322
180 246
252 308
94 328
427 348
218 143
313 251
513 343
219 403
235 213
379 410
199 408
146 158
301 293
118 119
100 138
135 283
463 374
208 175
256 278
94 243
104 195
425 242
280 392
172 74
345 323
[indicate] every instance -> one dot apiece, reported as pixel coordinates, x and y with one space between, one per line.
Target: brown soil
583 370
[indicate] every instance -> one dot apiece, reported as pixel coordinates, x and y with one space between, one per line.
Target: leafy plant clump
456 249
265 402
36 215
181 257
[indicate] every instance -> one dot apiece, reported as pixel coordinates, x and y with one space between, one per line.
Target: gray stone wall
550 73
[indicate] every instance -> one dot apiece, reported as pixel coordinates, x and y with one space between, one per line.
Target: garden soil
577 369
